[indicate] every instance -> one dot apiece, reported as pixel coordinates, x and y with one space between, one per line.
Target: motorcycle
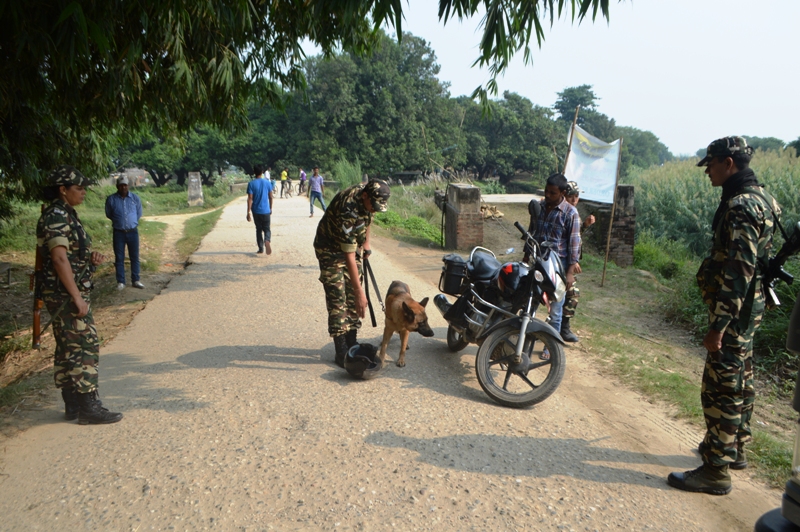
496 309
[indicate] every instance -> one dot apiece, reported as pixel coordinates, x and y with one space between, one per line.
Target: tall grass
675 204
346 173
413 213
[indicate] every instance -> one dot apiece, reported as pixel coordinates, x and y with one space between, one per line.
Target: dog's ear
408 313
424 302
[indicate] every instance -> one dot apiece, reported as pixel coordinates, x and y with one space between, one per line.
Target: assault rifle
38 302
774 271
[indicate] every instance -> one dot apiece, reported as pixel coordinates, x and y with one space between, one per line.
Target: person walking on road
303 178
341 241
316 187
559 223
730 281
284 180
68 265
124 210
573 294
259 202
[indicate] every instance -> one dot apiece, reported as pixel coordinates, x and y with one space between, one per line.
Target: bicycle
287 190
300 188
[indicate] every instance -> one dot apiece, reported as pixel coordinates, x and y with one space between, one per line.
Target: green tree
765 143
75 74
572 97
796 145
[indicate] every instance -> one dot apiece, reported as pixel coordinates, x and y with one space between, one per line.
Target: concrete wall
463 228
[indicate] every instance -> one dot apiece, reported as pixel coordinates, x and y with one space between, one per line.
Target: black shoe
92 411
714 480
566 333
351 338
340 344
741 458
71 405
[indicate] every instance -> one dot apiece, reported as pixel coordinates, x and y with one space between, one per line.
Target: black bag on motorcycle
454 272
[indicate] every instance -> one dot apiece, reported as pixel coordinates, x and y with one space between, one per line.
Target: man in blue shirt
124 210
259 202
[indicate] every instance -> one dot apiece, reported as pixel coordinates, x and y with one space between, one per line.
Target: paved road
236 418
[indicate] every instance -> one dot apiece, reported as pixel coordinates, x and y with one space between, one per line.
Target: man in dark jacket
730 282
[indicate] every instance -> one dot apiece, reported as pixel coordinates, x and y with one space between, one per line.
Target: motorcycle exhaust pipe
442 303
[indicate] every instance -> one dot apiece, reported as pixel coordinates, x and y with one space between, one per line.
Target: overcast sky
690 71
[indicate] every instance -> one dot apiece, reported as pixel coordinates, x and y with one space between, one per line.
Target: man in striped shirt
559 223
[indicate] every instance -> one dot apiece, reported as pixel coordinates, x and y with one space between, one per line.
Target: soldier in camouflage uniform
64 284
730 280
573 293
342 238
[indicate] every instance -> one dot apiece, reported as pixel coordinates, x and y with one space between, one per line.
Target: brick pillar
463 225
624 230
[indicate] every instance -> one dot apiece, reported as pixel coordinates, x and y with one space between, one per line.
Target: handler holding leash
342 239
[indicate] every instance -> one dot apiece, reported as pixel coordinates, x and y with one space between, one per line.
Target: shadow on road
533 457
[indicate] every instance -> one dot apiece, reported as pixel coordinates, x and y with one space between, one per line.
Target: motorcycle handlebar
521 229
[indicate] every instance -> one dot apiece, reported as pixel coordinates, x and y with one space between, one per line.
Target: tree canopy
77 77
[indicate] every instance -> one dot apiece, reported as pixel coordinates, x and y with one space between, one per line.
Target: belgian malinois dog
403 316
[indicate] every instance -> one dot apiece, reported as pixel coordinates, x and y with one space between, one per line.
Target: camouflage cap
67 175
725 147
572 189
379 193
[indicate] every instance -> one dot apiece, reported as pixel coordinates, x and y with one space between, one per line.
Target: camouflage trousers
77 347
728 395
339 296
571 301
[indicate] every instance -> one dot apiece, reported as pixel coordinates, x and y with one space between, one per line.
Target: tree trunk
182 174
206 178
159 178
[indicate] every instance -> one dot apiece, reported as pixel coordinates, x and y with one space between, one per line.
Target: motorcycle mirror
534 209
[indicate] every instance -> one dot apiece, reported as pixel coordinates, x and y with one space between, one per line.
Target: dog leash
369 275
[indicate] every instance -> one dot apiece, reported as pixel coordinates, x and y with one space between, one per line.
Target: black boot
351 337
340 344
92 411
705 479
566 333
71 405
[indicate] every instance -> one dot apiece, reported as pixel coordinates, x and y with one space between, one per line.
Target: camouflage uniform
730 282
77 344
342 230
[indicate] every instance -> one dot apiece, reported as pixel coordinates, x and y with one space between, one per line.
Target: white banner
592 163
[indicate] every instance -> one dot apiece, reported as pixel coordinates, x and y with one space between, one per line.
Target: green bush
491 187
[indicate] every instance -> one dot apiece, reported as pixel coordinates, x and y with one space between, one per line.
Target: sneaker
715 480
260 251
312 215
120 286
138 284
268 247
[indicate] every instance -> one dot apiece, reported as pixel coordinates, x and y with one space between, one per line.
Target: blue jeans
131 240
557 308
317 195
263 232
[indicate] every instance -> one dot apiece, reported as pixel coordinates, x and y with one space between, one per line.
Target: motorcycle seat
483 267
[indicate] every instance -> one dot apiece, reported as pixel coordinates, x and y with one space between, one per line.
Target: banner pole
613 210
571 134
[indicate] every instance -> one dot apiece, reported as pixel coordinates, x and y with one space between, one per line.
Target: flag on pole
593 164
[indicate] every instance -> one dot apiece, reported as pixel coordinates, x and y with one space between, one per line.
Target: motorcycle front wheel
522 384
455 340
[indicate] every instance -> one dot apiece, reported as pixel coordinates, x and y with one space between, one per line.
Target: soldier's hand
713 341
82 306
361 303
98 258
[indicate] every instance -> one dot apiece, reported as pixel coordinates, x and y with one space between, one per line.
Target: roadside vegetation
18 241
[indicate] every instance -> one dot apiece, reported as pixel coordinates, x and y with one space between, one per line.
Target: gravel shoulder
236 417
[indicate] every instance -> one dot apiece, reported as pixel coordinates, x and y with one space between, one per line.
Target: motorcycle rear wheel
455 340
524 384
